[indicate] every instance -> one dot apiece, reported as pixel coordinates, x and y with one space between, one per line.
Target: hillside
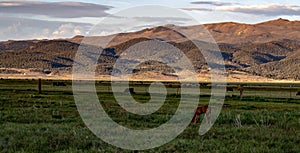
288 67
270 49
227 32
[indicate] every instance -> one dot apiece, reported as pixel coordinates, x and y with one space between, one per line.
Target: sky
52 19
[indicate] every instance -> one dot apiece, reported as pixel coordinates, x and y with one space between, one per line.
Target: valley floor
266 119
233 76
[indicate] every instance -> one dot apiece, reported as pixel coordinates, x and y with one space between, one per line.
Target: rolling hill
269 49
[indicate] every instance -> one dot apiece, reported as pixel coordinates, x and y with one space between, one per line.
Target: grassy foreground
49 122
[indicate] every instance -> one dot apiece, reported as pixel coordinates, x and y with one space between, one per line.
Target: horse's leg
196 116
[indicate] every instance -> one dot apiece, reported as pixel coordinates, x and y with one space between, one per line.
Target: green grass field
267 119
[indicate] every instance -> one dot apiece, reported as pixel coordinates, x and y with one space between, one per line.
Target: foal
201 110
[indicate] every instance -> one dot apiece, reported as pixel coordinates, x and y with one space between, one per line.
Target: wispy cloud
267 9
68 29
55 9
197 9
214 3
18 28
166 20
123 24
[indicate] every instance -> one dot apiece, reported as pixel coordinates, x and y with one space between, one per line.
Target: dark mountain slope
268 49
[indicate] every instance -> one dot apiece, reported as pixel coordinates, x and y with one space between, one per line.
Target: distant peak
226 23
160 29
282 20
169 25
76 39
77 36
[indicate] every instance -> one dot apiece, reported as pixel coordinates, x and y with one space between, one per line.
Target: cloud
55 9
67 30
267 9
197 9
122 24
17 29
214 3
163 20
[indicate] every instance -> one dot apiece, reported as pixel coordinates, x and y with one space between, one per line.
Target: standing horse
201 110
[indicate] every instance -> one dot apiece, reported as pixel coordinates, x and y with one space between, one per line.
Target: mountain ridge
269 49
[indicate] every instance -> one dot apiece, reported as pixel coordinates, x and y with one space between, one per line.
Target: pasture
266 119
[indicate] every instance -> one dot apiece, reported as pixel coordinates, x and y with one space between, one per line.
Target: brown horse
201 110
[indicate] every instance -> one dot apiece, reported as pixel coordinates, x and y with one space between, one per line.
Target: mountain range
267 50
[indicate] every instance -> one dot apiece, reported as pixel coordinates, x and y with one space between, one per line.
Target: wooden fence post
40 86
